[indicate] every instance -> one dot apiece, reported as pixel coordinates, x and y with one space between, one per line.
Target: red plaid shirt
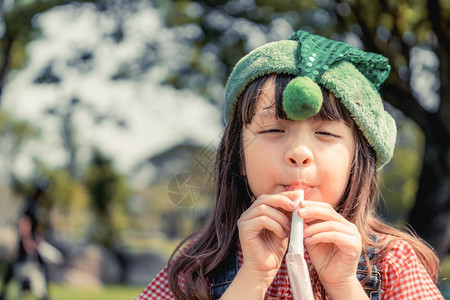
402 277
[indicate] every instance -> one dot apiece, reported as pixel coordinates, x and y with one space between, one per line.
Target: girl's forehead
266 97
265 114
267 104
265 109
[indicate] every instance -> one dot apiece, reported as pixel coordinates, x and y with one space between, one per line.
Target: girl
303 113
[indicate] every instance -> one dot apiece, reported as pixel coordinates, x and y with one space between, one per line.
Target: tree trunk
6 57
430 214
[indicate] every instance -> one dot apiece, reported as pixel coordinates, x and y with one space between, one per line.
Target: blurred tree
109 194
91 209
414 35
63 72
400 178
13 135
66 200
176 220
64 111
17 30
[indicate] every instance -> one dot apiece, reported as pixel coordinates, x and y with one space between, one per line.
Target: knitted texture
272 58
351 74
365 107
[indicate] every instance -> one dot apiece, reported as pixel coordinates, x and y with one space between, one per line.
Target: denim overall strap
373 283
222 276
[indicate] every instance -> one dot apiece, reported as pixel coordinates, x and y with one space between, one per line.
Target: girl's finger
348 244
330 226
321 211
256 225
268 211
308 203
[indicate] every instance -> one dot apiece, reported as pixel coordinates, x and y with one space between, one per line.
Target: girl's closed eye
271 130
330 129
327 133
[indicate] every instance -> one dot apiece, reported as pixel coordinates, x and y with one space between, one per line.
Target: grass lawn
69 292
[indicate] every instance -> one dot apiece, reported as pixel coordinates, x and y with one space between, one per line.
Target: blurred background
111 112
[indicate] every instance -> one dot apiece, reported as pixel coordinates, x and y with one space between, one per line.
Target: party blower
295 260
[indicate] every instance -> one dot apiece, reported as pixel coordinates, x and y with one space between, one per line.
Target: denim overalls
224 274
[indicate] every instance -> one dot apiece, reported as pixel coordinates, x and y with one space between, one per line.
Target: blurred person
29 268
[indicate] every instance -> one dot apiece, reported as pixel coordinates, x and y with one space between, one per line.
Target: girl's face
282 155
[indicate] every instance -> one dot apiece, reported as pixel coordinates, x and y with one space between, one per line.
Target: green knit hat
352 75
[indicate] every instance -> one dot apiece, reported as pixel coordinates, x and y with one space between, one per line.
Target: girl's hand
264 233
333 243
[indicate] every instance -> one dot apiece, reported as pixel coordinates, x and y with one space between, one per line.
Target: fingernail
302 211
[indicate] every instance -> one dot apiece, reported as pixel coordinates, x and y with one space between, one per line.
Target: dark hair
209 247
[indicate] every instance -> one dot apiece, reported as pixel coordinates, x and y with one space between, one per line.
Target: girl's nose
298 156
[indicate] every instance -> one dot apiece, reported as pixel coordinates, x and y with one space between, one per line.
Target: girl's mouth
299 186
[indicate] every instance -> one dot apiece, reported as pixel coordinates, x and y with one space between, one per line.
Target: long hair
208 248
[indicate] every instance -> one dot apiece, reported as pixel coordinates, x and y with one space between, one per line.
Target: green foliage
400 176
73 292
66 200
105 185
17 132
62 187
109 193
94 209
445 269
285 5
156 222
13 136
20 29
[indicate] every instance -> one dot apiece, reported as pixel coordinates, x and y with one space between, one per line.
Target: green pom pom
302 98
